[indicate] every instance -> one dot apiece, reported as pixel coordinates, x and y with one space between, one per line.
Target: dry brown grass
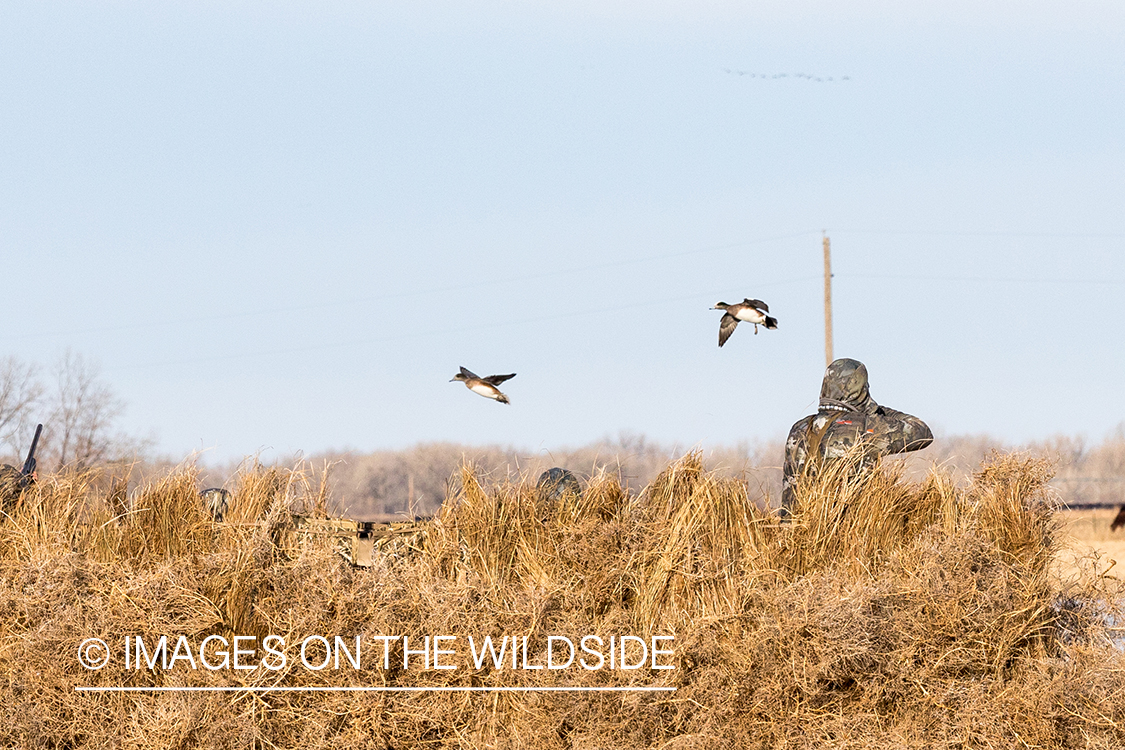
1090 548
887 614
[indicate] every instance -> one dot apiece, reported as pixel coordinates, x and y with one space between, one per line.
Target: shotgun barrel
29 463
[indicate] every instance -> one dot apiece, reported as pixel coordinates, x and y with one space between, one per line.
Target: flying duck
484 386
751 310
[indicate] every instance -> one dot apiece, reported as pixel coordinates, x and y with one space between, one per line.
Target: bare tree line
415 481
78 410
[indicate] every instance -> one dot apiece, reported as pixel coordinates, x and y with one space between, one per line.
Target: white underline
267 689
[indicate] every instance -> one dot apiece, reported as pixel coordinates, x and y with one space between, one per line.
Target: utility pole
827 301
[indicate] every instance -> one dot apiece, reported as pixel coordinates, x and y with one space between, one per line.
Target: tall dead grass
886 614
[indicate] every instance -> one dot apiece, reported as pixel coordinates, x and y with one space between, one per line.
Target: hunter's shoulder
801 426
805 422
893 417
905 432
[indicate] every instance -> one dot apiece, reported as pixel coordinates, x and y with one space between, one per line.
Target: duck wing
469 374
757 303
726 327
498 379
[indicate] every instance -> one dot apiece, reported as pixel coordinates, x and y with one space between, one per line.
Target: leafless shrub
83 410
20 391
79 412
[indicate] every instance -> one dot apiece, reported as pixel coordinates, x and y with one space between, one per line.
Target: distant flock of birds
776 76
752 311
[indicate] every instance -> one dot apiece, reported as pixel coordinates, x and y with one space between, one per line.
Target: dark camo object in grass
847 416
1119 520
554 483
12 483
216 501
357 541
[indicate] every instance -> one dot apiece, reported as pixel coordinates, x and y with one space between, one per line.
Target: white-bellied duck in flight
484 386
750 310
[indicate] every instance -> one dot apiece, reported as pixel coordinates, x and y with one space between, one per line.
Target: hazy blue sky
283 226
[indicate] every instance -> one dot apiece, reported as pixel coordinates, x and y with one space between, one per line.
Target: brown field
933 613
1088 542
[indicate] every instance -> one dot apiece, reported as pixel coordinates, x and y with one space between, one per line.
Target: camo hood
845 387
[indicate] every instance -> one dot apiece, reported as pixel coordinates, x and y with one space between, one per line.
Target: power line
986 279
960 233
447 331
599 266
405 295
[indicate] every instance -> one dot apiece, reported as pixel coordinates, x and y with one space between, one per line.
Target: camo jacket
847 416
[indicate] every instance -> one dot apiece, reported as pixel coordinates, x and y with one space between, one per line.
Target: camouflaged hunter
847 416
14 481
556 483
